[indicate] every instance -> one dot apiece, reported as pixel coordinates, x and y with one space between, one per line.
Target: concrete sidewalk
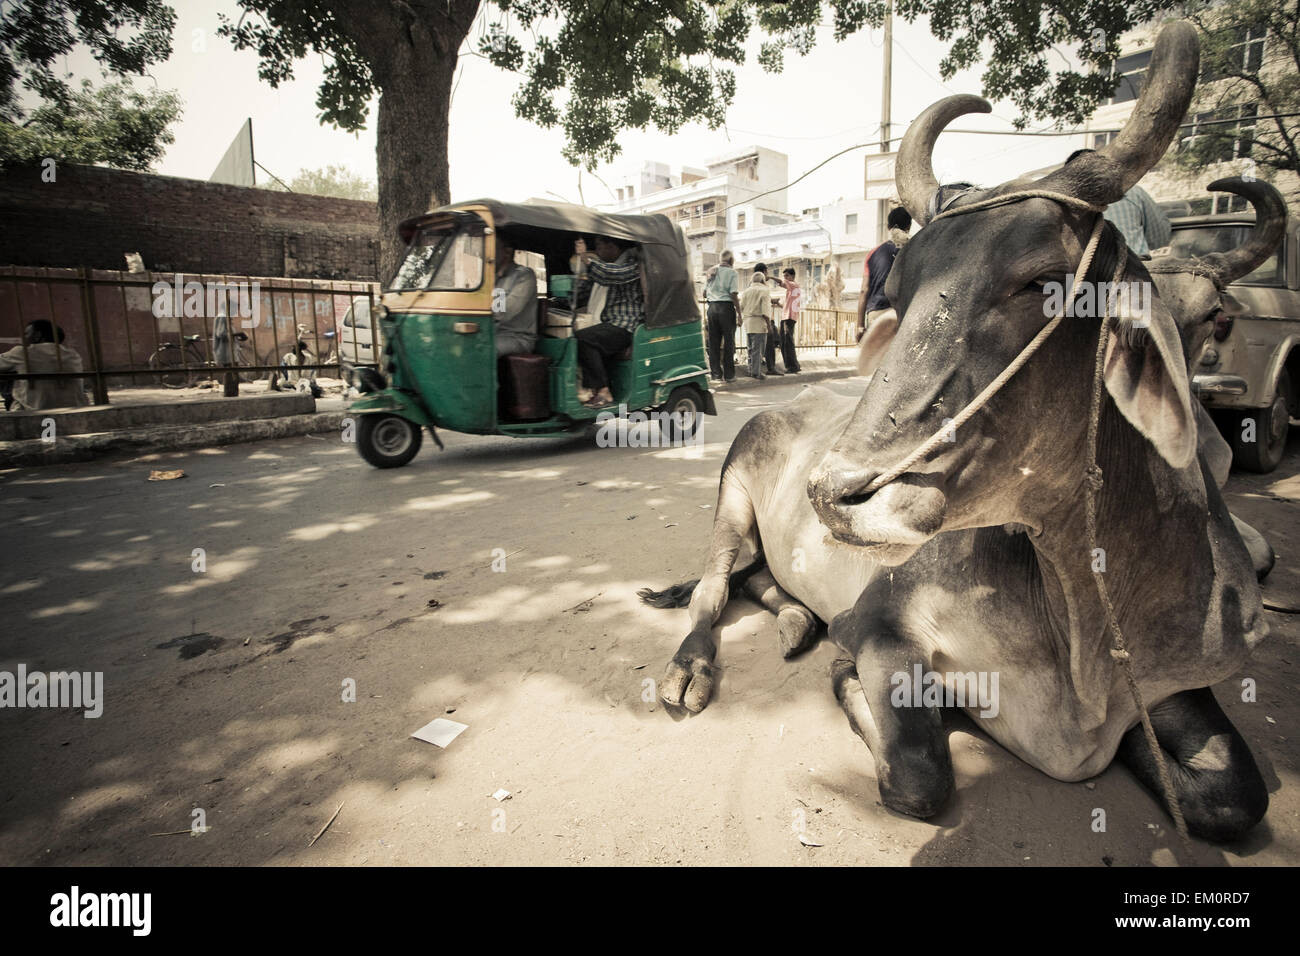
143 421
814 365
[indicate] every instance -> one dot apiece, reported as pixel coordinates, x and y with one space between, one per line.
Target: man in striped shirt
617 266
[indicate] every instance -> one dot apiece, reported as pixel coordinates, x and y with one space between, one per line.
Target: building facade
1217 105
732 193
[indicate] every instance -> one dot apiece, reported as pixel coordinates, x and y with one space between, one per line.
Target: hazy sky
819 105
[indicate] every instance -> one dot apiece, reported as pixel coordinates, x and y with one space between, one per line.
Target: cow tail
679 595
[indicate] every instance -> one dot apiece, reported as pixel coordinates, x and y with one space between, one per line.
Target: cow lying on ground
975 560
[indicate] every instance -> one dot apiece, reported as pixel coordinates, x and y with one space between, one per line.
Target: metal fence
165 329
831 329
824 328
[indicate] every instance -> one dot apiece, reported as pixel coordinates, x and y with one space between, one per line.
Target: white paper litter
500 795
440 731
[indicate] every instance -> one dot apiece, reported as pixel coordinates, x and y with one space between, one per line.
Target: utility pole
882 205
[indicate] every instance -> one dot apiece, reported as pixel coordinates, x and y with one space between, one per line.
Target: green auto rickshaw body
439 338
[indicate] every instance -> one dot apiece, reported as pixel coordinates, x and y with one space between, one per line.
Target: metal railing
157 329
824 328
705 221
816 328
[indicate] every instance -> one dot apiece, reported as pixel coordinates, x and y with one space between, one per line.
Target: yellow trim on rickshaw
448 302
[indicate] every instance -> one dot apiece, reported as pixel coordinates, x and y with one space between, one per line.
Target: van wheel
683 412
387 441
1271 427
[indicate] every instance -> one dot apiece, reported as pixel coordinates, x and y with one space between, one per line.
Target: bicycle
177 366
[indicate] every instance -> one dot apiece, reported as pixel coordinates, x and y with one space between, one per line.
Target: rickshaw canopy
670 290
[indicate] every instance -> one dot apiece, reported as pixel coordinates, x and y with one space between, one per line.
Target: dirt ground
223 688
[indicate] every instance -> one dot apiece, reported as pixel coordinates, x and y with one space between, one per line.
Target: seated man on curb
756 315
617 266
45 354
514 302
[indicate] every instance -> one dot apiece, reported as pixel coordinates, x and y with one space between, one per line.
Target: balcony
709 222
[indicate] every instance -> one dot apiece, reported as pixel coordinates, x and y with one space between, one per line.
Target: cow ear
1146 375
875 343
1211 446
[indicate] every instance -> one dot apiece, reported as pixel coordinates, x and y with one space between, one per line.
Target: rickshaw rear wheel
388 441
681 414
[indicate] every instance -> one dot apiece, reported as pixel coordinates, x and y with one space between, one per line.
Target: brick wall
91 216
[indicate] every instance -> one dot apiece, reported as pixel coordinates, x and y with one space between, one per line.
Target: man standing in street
872 301
756 313
789 316
722 293
769 347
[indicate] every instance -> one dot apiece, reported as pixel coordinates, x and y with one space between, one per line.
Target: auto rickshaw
439 367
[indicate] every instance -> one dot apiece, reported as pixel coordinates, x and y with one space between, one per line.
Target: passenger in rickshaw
616 265
514 302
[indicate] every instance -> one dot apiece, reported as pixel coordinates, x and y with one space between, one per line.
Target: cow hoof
795 628
688 683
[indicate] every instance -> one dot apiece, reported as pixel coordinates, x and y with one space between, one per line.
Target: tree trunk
411 151
412 47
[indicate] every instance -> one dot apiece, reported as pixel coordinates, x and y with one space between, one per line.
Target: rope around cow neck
1093 480
1092 488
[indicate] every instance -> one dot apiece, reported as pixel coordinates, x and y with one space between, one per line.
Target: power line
993 132
804 176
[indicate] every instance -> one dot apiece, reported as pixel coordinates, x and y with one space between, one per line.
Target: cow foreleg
796 626
691 674
905 737
1218 786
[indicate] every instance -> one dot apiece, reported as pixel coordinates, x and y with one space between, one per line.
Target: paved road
223 687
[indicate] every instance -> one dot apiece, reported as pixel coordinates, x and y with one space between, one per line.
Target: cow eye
1036 285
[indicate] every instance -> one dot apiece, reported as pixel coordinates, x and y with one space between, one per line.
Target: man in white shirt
43 354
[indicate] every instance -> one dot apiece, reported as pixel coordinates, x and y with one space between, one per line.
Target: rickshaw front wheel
682 414
387 441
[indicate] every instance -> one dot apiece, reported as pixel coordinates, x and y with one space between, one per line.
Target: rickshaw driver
514 302
617 266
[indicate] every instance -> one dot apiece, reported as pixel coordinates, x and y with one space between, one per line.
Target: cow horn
1270 225
1105 176
914 174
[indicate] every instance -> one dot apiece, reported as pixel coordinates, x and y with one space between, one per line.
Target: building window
851 223
1130 74
1234 127
1246 55
1101 139
1224 203
620 193
630 192
740 220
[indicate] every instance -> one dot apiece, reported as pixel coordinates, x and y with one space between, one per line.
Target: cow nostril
842 489
856 498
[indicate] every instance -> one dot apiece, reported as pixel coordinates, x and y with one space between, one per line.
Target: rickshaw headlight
380 312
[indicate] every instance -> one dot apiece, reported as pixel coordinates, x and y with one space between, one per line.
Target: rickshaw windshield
443 257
